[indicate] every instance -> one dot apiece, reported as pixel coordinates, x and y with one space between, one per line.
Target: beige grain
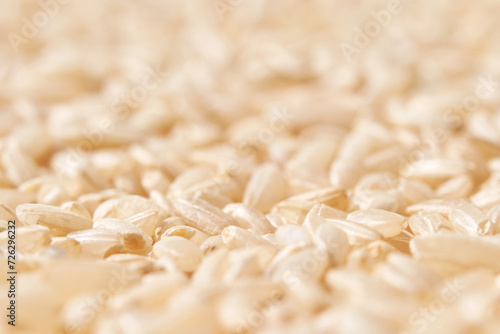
292 211
303 266
154 179
387 223
236 237
249 218
292 235
218 200
58 220
486 198
93 200
461 250
19 166
138 264
369 256
166 224
125 207
134 239
71 246
237 306
334 241
329 196
188 232
371 294
147 221
29 239
98 243
407 274
313 217
494 216
12 198
247 263
435 169
152 292
188 182
443 207
265 188
203 216
358 234
212 243
184 253
415 191
456 188
469 219
76 208
212 268
426 223
6 215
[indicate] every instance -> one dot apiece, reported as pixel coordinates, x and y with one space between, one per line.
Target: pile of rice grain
238 167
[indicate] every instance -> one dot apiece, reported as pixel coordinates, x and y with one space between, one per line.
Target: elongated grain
77 209
29 238
303 266
358 234
188 232
462 250
236 237
265 188
292 211
147 221
71 246
134 239
426 223
334 241
432 169
212 243
203 216
443 207
456 188
12 198
58 220
469 219
152 292
385 222
292 235
332 197
184 253
494 216
249 218
405 273
98 242
125 207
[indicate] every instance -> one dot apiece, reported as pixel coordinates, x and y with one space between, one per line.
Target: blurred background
221 60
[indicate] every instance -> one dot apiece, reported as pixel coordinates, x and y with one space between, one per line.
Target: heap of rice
220 166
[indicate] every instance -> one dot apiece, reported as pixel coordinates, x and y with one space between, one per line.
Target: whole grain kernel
184 253
240 167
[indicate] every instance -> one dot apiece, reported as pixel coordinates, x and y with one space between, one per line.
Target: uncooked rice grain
250 167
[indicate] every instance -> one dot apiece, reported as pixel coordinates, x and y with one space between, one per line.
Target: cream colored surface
250 166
